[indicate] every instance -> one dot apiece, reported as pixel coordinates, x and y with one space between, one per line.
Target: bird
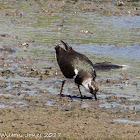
76 66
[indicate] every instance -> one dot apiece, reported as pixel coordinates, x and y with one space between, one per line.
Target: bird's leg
95 95
63 82
80 91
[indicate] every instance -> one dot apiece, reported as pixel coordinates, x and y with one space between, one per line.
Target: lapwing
77 66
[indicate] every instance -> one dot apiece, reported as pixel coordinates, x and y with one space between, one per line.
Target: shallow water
98 36
125 121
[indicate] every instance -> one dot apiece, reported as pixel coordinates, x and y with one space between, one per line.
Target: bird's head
93 87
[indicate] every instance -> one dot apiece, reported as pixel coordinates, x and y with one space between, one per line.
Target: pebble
5 35
1 121
120 3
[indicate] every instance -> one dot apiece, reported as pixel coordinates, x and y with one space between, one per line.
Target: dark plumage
77 66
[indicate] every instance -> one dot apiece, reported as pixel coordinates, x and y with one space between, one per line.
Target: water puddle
121 120
113 51
19 103
6 95
84 105
50 103
6 106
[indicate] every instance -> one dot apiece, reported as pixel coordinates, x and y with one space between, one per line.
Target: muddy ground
30 79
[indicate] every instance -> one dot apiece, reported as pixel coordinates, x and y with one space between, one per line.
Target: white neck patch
86 83
76 73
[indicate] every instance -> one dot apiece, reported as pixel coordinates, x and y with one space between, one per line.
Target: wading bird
77 66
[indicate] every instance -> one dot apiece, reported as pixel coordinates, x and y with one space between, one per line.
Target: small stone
5 35
25 45
26 95
120 3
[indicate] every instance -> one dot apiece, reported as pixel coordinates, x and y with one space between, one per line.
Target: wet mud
30 79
